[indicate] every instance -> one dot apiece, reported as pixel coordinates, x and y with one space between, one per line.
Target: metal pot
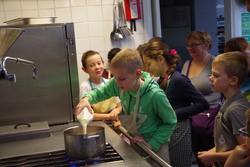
79 146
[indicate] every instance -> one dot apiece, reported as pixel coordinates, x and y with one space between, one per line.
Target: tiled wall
93 21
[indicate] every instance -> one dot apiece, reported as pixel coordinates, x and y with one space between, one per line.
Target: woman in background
198 70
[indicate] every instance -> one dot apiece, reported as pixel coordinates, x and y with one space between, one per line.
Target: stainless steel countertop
56 142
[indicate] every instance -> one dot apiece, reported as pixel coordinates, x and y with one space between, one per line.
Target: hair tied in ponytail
173 52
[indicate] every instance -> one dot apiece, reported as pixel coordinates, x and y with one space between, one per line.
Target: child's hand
113 115
239 157
82 104
139 139
206 157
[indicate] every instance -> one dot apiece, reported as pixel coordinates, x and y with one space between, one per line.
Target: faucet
12 77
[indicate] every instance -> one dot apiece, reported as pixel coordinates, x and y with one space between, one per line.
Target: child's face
155 67
94 66
125 80
219 80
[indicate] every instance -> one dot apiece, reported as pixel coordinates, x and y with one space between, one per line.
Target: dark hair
154 49
156 39
87 54
113 52
236 44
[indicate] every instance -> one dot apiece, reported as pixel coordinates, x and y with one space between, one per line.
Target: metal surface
54 94
24 131
152 154
12 77
7 37
58 159
56 142
31 20
79 146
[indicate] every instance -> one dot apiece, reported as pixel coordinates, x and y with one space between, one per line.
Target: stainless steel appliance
52 96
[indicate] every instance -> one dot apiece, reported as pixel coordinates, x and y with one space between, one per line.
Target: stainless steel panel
53 95
56 142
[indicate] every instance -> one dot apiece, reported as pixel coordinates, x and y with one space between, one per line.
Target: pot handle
15 127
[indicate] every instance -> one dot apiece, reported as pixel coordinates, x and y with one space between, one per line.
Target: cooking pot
79 146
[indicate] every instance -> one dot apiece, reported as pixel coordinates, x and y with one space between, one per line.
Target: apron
104 106
129 121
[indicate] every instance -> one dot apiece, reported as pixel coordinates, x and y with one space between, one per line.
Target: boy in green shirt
147 113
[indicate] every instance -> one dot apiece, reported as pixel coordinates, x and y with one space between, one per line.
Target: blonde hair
202 36
235 64
127 59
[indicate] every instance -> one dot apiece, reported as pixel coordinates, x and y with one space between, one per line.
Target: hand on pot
82 104
139 139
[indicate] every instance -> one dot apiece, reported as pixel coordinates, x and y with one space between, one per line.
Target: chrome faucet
12 77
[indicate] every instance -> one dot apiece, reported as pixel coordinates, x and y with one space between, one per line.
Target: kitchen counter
56 142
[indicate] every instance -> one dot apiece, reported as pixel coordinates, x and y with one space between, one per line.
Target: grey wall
206 20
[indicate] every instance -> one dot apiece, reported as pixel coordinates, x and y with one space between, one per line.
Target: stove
59 159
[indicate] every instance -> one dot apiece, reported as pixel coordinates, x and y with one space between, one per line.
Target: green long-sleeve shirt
156 119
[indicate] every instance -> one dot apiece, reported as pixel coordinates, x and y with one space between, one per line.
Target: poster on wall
245 26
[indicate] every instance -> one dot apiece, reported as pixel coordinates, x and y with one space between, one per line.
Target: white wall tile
107 2
139 26
1 5
13 15
93 22
107 13
97 44
12 5
108 27
47 13
79 14
62 3
94 13
96 29
81 30
45 4
30 13
78 3
63 15
93 2
29 4
82 45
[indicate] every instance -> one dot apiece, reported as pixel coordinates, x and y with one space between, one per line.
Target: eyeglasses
243 132
193 46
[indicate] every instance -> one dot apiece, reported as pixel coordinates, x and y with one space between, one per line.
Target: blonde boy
147 113
229 71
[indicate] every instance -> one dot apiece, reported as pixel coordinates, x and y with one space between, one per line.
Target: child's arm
166 113
211 156
240 157
81 105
